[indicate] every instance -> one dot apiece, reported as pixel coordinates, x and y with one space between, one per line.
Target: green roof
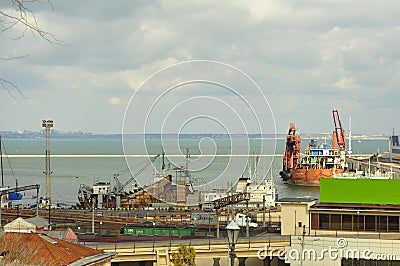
361 191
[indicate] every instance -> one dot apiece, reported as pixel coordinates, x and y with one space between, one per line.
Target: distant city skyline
307 58
57 133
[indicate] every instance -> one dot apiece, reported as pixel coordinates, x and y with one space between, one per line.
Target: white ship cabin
212 195
259 193
101 188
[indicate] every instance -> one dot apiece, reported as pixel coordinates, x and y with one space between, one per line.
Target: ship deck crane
122 187
338 139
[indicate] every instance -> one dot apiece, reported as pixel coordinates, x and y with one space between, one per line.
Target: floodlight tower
47 124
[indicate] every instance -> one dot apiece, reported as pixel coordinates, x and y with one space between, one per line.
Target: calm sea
74 167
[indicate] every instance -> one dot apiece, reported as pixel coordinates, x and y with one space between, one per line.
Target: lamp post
233 233
47 124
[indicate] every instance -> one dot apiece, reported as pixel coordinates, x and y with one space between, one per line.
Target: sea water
85 161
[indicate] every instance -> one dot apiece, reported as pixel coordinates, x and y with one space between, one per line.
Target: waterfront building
295 214
354 218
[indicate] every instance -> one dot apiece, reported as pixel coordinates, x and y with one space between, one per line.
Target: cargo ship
320 160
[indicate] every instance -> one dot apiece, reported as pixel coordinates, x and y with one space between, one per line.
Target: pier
372 164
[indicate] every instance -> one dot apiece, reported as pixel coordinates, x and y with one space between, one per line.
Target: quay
372 164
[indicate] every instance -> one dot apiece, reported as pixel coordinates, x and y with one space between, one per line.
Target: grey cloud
300 53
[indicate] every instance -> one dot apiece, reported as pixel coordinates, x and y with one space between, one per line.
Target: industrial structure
47 124
394 148
353 216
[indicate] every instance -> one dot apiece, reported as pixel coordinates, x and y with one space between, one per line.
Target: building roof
354 206
299 199
19 225
70 236
38 221
40 249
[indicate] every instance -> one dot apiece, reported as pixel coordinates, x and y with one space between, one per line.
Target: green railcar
159 231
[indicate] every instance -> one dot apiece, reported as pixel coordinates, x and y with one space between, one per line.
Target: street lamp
233 233
47 124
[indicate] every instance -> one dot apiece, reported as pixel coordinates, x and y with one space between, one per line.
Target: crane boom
138 172
338 133
17 189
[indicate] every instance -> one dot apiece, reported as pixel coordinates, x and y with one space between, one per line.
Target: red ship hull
310 177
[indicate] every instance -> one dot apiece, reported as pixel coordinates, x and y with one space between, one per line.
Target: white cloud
346 84
114 100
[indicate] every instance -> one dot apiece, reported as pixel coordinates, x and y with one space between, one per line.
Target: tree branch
8 85
27 19
20 15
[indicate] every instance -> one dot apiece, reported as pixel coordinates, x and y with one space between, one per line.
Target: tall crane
120 188
291 157
338 138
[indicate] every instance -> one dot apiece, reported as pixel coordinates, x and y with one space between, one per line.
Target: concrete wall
329 251
248 262
295 217
210 262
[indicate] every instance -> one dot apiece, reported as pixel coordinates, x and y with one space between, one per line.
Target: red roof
70 236
31 248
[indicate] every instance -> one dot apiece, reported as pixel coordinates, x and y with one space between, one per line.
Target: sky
266 63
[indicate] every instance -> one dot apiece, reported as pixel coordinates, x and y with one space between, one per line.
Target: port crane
120 187
292 153
338 139
103 197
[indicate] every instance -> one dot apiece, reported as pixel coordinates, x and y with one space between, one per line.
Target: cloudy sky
307 57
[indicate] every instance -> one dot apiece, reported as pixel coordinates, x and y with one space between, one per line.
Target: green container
185 232
165 231
148 231
131 231
157 231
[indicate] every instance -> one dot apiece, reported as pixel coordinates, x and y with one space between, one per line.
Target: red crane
338 138
292 153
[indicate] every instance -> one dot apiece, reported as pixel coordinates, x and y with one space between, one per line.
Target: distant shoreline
135 155
85 135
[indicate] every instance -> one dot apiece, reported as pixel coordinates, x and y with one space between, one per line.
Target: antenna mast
350 151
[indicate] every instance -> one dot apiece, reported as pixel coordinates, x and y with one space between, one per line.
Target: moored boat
320 160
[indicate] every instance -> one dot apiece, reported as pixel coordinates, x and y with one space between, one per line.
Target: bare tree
19 16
